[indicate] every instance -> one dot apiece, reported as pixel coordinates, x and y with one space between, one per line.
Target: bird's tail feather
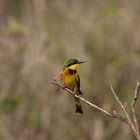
80 92
78 106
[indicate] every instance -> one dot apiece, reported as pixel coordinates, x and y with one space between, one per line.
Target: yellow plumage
71 79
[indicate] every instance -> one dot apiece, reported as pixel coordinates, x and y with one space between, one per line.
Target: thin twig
125 112
134 100
111 115
134 127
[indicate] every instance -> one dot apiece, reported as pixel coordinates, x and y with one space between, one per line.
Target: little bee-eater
70 77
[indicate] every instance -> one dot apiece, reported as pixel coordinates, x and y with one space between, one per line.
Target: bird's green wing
78 81
78 84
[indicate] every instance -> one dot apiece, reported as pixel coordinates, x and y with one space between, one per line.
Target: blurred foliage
110 130
110 8
94 48
35 117
14 27
53 27
11 103
36 37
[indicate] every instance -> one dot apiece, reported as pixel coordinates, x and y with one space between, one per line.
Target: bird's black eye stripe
72 63
72 71
69 65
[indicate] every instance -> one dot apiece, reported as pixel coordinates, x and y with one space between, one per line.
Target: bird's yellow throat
74 67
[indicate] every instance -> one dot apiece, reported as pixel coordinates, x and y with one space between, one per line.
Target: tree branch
127 120
134 100
124 110
110 115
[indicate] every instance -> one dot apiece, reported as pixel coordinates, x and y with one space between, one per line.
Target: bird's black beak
80 62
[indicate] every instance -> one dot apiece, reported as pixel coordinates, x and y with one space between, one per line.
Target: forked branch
127 120
125 112
134 100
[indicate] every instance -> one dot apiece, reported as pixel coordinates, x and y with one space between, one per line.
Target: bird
71 79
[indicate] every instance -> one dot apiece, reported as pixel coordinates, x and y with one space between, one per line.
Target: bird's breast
69 79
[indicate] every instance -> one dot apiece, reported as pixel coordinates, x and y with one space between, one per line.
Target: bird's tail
78 106
80 92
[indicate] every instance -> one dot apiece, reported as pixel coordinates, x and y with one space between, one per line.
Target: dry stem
111 115
134 100
124 110
127 120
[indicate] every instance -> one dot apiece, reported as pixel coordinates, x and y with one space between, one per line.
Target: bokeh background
36 37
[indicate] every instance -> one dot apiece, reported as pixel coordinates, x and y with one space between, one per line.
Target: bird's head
72 63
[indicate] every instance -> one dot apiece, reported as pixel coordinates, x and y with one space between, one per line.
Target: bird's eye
68 65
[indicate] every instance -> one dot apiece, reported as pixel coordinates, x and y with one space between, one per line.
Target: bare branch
110 115
134 100
125 112
127 120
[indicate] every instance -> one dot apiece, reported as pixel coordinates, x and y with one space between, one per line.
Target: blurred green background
36 37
